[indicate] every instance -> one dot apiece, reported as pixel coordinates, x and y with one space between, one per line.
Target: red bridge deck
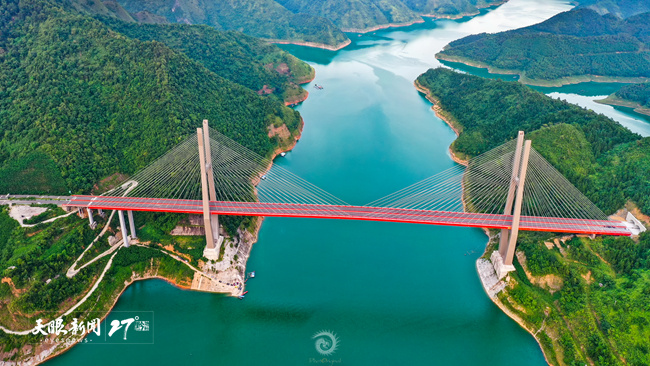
530 223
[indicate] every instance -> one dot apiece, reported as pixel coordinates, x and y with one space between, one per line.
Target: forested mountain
304 20
578 45
260 18
355 15
490 112
80 101
619 8
237 57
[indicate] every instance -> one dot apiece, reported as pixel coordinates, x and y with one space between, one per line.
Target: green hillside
260 18
242 59
584 299
449 8
574 46
620 8
90 102
318 22
355 15
576 140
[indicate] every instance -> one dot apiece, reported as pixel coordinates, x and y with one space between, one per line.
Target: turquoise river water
393 293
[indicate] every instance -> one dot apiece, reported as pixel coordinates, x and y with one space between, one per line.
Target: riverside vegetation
635 96
86 99
71 121
586 300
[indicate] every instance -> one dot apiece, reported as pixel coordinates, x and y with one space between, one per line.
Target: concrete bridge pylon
211 222
503 257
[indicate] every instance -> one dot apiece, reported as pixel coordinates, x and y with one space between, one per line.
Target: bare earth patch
24 212
550 282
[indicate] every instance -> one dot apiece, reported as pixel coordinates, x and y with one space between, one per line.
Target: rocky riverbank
449 120
312 44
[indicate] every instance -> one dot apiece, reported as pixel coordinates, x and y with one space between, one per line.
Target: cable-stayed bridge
511 188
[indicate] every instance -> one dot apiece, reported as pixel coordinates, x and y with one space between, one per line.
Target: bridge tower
502 258
210 222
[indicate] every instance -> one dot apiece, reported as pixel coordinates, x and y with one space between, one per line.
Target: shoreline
103 317
438 112
312 44
386 26
616 101
293 102
465 15
569 80
419 21
381 26
494 299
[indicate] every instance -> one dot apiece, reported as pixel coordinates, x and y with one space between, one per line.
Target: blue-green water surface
395 294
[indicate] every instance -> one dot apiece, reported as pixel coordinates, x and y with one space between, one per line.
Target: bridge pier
92 222
131 224
502 259
101 212
125 235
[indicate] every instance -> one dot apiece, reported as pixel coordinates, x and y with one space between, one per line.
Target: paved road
466 219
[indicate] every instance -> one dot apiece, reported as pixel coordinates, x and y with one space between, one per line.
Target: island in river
576 46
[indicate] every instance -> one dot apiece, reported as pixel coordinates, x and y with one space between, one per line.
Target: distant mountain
302 21
80 101
574 46
259 18
620 8
356 15
362 15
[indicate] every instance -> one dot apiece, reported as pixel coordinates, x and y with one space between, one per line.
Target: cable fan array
482 187
240 175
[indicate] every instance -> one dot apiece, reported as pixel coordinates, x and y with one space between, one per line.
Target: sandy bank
300 99
614 100
381 26
312 44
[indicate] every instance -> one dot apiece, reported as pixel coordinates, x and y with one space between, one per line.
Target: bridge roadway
492 221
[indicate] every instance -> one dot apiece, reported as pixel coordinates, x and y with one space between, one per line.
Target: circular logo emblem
326 342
